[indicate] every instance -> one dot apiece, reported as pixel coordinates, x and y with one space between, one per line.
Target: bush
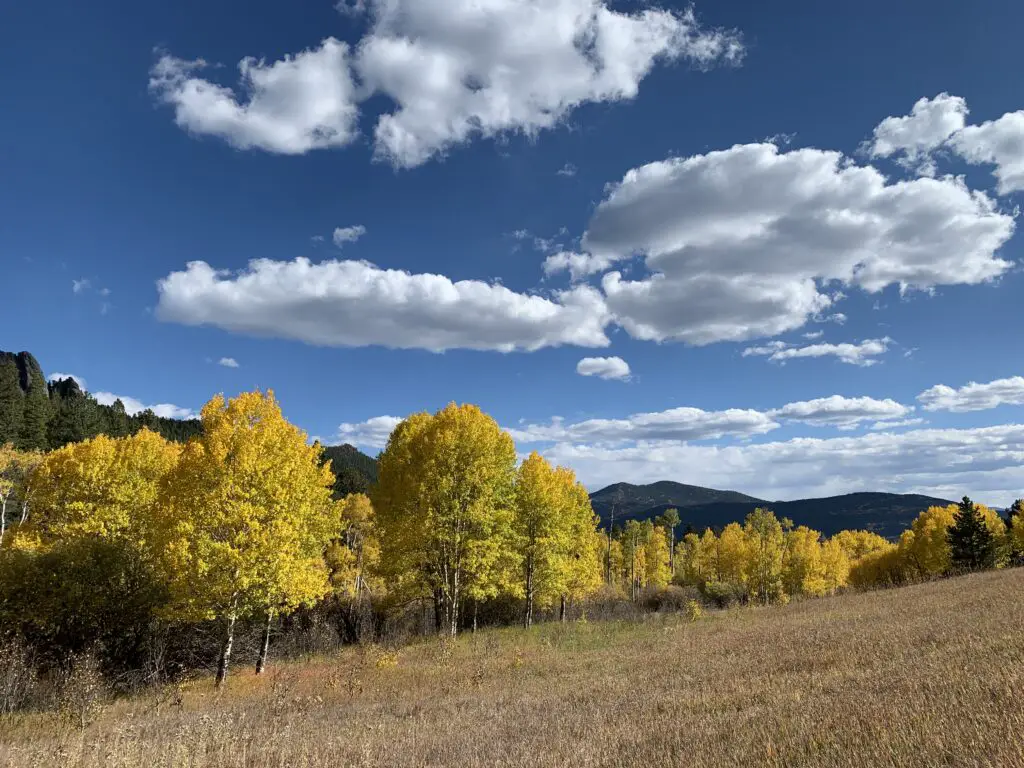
669 599
725 594
17 677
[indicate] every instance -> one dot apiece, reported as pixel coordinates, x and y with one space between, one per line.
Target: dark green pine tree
117 422
77 418
38 411
12 401
972 547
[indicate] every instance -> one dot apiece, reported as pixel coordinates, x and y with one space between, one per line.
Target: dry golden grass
930 675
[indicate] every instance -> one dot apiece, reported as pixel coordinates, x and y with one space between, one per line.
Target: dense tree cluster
107 542
38 415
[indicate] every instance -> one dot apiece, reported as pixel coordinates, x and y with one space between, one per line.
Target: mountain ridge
887 514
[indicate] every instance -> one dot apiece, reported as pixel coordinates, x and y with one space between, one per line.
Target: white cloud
567 170
133 406
454 69
372 433
672 424
842 412
997 142
457 69
914 137
974 396
80 286
228 362
604 367
290 106
885 425
940 123
812 335
354 303
987 463
351 7
862 354
59 376
741 241
344 235
578 265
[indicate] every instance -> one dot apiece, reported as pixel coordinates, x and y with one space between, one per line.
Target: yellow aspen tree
857 544
541 532
8 483
765 542
352 557
244 519
732 556
1000 535
657 558
585 564
615 562
634 539
1017 535
927 549
803 571
103 487
835 566
443 502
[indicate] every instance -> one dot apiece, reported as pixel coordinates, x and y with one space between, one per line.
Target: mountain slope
887 514
630 499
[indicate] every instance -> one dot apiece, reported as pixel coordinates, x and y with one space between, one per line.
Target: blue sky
729 183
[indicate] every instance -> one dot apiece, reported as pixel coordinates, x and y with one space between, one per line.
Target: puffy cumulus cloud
999 143
578 265
343 235
842 412
61 376
372 433
672 424
463 68
914 137
740 242
861 354
133 406
974 396
940 123
228 362
987 463
291 106
603 367
354 303
454 69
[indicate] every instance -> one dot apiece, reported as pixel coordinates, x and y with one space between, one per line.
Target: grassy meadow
930 674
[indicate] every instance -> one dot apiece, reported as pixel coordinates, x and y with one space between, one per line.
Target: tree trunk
561 610
3 519
438 616
528 613
261 662
476 605
225 654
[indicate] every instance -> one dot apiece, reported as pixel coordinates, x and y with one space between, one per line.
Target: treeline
154 555
39 415
123 546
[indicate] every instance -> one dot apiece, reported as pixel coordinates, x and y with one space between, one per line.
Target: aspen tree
245 518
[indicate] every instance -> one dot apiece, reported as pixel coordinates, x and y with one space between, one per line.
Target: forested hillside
887 514
37 415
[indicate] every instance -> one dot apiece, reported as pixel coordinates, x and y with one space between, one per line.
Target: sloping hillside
630 499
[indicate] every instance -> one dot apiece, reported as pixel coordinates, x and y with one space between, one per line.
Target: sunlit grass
920 676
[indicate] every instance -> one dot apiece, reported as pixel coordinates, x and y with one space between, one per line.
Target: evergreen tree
1016 510
37 411
971 544
117 421
12 401
77 418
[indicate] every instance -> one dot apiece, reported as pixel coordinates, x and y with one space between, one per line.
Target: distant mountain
354 471
887 514
638 498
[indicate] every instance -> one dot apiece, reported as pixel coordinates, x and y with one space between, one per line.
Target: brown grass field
929 675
